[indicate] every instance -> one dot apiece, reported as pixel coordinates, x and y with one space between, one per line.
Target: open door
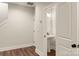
66 29
45 32
49 18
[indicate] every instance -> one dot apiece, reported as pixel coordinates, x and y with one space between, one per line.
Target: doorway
50 29
57 29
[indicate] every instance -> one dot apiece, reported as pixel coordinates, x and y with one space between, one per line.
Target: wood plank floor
28 51
51 53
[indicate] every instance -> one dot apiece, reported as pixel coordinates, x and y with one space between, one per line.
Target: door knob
73 45
44 36
78 46
47 33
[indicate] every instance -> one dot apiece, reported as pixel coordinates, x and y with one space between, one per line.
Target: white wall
18 28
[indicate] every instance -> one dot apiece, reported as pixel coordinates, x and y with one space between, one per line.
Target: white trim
15 47
39 52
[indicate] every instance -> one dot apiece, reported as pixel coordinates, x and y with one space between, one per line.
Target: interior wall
18 29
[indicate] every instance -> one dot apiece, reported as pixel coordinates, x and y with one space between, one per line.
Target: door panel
66 30
63 51
44 33
48 20
64 42
74 28
64 20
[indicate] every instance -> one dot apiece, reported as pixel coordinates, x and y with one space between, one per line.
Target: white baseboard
15 47
39 52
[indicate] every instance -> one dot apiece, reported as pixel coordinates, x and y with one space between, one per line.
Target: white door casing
48 30
78 27
44 33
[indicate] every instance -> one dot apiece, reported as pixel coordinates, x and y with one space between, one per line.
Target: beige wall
18 28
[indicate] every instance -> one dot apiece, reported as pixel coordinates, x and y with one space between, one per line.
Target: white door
49 14
46 29
66 29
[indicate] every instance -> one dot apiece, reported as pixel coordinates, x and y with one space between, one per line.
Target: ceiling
28 5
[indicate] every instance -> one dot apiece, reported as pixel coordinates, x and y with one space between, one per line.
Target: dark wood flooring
28 51
51 53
